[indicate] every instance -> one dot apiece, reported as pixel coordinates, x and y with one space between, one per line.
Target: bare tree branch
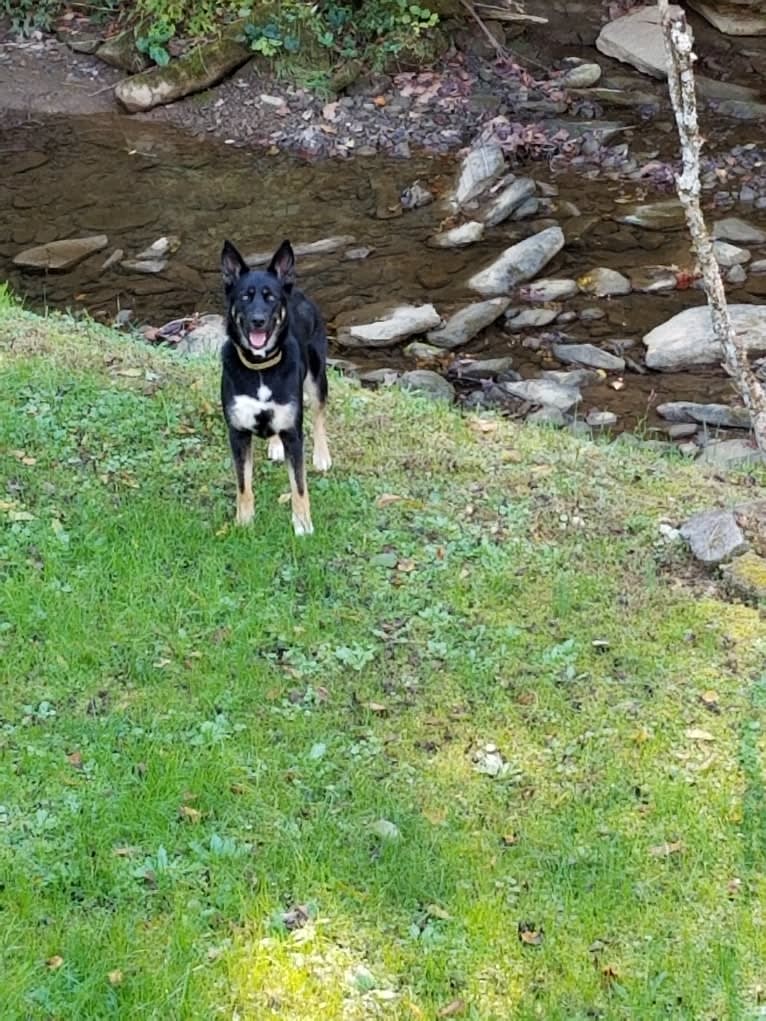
678 46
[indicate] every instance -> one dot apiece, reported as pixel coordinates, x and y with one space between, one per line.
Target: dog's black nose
257 323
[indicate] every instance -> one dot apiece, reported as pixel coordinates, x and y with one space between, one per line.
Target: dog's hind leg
276 449
316 388
296 470
242 452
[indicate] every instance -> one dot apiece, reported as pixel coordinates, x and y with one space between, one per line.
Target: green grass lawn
238 769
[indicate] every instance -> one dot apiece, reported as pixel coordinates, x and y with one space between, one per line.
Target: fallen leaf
710 700
377 707
483 425
530 934
453 1009
697 734
75 760
385 499
20 516
189 814
379 101
130 373
55 962
436 816
125 852
609 973
509 839
406 566
115 977
665 850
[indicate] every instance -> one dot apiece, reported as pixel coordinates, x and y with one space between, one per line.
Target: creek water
135 182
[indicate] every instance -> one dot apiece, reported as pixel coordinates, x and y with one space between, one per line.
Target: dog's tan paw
322 460
302 525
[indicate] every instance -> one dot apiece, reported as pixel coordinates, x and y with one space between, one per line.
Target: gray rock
681 430
582 76
388 324
549 289
733 17
711 88
207 338
547 415
591 314
487 368
742 109
379 377
667 214
195 70
714 536
144 265
572 377
600 419
738 231
160 248
60 255
416 196
423 352
467 323
529 208
636 39
325 246
687 338
531 317
508 201
480 167
114 259
588 354
466 234
429 383
758 267
603 283
735 275
544 391
729 255
731 453
518 263
653 279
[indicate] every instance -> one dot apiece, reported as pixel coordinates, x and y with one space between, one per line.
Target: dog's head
257 299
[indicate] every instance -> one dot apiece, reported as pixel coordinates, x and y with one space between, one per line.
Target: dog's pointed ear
232 265
282 264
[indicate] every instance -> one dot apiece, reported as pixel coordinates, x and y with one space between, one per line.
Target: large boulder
196 70
636 39
518 263
687 338
481 166
465 324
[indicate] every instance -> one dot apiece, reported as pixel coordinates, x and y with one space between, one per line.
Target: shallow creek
136 182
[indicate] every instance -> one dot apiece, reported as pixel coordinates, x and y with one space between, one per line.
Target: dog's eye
268 295
250 293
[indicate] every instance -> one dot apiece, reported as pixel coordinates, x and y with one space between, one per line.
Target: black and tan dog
276 345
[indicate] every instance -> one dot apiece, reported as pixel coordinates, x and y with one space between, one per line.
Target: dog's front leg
292 441
242 453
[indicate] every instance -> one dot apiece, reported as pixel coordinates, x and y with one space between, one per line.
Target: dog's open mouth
257 339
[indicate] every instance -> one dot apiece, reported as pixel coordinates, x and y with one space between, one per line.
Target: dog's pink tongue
257 338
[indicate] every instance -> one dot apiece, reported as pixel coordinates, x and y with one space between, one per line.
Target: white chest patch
244 412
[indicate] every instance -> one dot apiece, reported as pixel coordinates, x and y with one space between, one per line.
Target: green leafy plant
27 15
154 42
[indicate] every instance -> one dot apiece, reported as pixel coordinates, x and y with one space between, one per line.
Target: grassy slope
193 735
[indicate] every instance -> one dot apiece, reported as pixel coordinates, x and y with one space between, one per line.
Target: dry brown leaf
377 707
115 977
453 1009
130 373
697 734
189 814
406 566
509 839
75 760
665 850
531 937
434 911
436 816
125 852
483 425
387 498
55 962
709 699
